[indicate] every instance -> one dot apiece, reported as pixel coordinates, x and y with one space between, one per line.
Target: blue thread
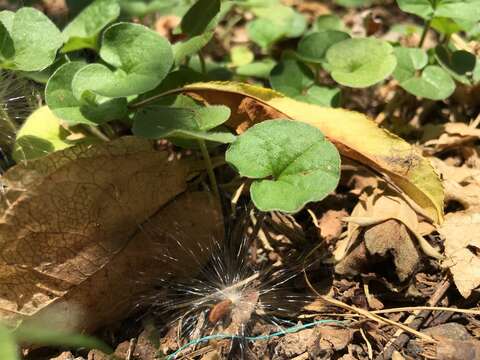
252 338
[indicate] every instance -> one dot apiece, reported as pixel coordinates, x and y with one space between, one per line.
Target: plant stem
203 65
97 132
424 32
209 166
317 75
153 98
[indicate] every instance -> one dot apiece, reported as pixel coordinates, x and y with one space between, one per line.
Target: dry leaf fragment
461 232
71 234
392 238
458 350
384 152
330 224
379 207
381 242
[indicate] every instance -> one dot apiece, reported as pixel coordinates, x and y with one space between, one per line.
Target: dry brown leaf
330 224
381 242
458 350
441 137
378 207
333 338
461 232
392 238
76 226
461 183
459 174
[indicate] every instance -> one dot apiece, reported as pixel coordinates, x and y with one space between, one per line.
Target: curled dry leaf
330 224
461 231
378 207
441 137
462 184
389 239
384 152
79 227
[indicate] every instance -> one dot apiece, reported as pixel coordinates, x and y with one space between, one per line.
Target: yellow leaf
356 136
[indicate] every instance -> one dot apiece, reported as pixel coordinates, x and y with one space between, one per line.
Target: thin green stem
209 166
317 75
152 98
203 65
97 132
426 27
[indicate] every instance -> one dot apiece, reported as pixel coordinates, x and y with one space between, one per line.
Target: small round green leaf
328 22
141 8
274 23
294 79
35 40
360 62
409 61
313 47
142 59
302 164
6 45
322 95
291 77
260 69
434 83
157 122
61 100
422 8
445 25
353 3
265 33
468 10
241 55
83 30
459 64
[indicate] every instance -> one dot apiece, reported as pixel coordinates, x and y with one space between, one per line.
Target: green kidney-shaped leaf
328 22
199 16
409 60
434 83
260 69
468 10
142 59
274 23
422 8
360 62
241 55
83 31
32 40
296 80
141 8
460 64
313 47
94 110
291 77
157 122
303 164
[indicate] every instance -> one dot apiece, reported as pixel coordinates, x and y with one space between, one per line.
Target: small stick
369 315
131 348
369 346
414 321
